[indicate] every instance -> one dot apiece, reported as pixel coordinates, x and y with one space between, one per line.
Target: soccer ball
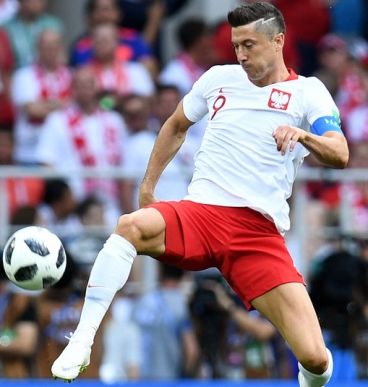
34 258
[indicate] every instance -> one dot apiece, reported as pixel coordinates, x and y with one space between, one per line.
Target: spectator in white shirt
84 135
38 90
116 77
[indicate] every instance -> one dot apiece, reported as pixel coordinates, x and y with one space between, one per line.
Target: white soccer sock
315 380
109 274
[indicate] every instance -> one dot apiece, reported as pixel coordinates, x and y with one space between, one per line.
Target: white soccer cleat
74 359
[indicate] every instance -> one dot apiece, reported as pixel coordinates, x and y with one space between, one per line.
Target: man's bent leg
142 231
290 309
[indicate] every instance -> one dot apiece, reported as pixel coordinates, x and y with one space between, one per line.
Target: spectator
59 309
18 331
196 55
356 193
8 9
360 293
114 76
352 10
83 135
174 182
163 106
248 338
331 288
6 69
305 35
118 365
147 17
89 240
242 346
57 209
48 89
132 46
26 26
25 216
170 349
23 191
90 212
341 71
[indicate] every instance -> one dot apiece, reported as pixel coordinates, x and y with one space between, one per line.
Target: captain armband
326 124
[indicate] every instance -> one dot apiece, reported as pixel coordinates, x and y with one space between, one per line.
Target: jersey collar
292 75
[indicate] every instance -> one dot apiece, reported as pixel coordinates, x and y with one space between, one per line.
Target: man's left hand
287 136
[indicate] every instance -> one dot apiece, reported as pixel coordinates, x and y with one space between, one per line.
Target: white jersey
238 163
28 87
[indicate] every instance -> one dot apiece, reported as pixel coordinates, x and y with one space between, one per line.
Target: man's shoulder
225 74
226 69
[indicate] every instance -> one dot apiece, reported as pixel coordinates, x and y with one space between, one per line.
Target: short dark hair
249 13
190 31
55 190
91 6
162 87
168 272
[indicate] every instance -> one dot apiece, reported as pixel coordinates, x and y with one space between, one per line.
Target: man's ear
279 40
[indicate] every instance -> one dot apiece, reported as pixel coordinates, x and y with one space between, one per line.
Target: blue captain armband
326 124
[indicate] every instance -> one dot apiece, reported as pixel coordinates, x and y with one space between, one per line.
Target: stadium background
71 13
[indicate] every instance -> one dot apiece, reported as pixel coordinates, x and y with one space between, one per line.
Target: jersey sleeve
321 110
195 102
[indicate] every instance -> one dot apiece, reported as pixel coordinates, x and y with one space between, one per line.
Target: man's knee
315 361
145 230
128 227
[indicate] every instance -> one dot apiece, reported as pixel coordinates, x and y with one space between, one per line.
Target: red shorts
244 245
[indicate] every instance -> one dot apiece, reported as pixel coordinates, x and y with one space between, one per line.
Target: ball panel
9 251
61 257
37 247
26 273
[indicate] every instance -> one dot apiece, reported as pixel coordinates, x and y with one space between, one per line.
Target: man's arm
331 148
168 142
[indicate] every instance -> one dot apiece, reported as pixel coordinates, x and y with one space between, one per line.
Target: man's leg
290 309
142 231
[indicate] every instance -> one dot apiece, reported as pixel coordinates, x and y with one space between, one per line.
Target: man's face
256 52
105 11
84 86
32 8
136 112
105 41
50 47
166 103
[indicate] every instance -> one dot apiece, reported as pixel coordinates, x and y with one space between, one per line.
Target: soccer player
263 120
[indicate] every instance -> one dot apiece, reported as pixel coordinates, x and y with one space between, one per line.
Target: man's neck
278 75
50 67
88 107
106 62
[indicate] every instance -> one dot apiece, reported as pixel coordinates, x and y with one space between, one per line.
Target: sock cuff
323 377
121 247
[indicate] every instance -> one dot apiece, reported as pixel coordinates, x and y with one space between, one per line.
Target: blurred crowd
100 103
